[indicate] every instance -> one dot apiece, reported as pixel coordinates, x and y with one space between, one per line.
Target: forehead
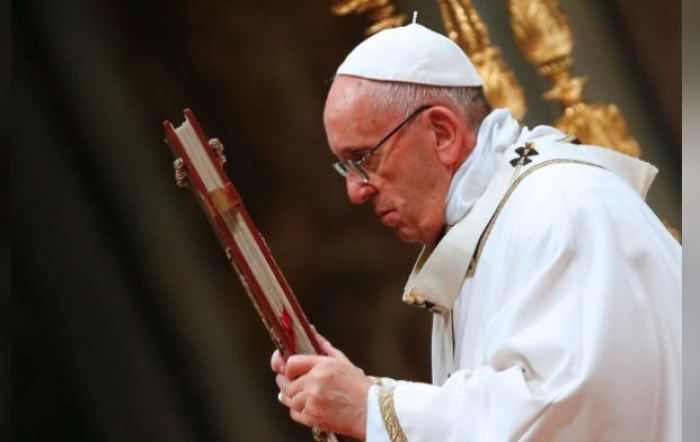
346 94
351 116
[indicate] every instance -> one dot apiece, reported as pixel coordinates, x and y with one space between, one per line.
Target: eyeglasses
354 167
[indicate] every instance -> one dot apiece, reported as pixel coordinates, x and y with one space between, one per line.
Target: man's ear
447 133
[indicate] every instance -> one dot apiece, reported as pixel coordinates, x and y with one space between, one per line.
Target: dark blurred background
127 323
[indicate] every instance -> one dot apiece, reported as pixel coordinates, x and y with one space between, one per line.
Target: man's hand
328 392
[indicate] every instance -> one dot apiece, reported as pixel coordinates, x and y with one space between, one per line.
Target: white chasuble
566 326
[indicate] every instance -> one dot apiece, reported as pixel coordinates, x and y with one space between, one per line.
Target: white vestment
570 327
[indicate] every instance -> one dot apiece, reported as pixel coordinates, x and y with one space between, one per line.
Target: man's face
408 181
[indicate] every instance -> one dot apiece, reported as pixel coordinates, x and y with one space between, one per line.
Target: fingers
337 354
296 402
288 400
323 342
277 362
294 389
298 365
291 394
301 417
298 410
293 397
282 382
292 381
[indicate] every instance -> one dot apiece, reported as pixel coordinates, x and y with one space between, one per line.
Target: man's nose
358 190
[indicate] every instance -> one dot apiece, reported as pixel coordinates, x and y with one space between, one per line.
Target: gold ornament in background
464 27
543 35
381 12
599 124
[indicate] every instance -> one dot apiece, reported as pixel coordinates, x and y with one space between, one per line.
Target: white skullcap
411 54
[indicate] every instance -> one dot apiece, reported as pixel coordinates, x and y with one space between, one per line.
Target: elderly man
555 291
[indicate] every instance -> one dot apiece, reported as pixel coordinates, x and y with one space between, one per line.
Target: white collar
497 132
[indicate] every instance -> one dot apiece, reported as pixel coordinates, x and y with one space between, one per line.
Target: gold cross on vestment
524 152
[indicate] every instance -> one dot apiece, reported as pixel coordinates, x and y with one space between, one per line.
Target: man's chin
408 235
416 236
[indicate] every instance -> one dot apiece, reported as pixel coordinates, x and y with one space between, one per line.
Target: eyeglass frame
355 166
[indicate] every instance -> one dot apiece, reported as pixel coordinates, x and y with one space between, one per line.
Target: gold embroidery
376 380
416 300
391 421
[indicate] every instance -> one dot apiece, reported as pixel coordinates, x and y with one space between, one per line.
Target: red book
199 166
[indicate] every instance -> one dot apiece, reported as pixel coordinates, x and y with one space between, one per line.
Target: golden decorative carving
180 173
599 124
218 147
465 27
542 33
381 12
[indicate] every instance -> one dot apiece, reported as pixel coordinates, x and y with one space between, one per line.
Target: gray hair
469 103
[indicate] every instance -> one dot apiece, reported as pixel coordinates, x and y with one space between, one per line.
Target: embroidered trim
571 138
416 300
487 231
376 380
391 421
